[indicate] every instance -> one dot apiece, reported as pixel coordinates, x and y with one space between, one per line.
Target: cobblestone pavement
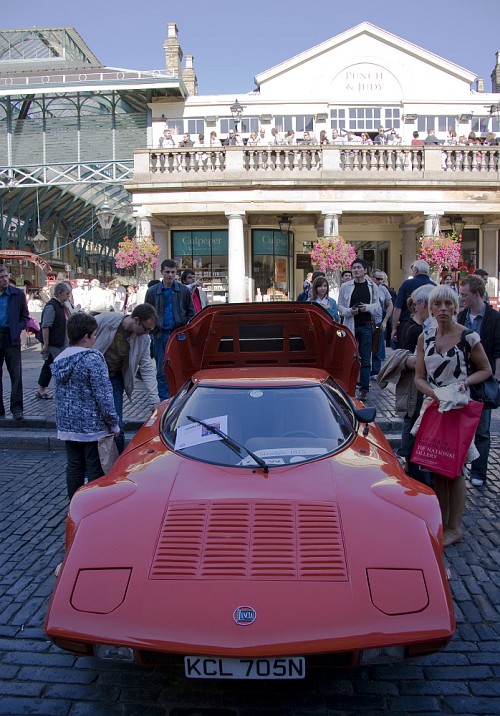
38 678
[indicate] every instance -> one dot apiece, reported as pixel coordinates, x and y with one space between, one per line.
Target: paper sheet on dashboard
195 434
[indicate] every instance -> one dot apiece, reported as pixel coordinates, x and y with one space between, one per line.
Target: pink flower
441 251
332 253
143 253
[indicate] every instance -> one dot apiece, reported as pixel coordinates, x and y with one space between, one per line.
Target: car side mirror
365 415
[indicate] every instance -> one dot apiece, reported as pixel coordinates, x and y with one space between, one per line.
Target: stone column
331 222
160 237
143 225
491 256
432 226
409 248
236 258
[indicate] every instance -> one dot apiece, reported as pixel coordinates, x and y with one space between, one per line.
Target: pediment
369 62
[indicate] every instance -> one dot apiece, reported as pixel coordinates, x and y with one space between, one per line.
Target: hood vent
250 540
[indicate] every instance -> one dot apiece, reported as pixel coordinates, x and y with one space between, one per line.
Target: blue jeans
363 335
482 442
159 344
118 386
379 356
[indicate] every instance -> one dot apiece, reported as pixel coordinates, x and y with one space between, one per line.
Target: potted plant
441 252
139 254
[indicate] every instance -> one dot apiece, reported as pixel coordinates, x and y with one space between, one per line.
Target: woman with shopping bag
443 376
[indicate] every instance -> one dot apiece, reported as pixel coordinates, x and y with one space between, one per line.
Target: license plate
210 667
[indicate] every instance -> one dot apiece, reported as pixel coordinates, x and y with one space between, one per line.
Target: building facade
217 209
76 135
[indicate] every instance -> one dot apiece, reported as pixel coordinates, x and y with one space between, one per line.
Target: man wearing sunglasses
125 343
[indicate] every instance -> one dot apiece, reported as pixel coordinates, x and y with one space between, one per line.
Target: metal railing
63 174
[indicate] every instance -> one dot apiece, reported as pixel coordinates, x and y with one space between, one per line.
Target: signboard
200 243
267 242
303 261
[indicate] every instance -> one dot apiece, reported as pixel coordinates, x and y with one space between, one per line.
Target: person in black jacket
481 317
174 306
53 323
13 318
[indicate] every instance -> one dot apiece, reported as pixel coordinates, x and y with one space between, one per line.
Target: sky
233 41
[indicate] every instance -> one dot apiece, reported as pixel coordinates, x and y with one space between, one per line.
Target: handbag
487 393
443 439
108 452
34 327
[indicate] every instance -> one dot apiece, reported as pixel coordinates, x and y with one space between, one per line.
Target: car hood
266 335
206 520
188 544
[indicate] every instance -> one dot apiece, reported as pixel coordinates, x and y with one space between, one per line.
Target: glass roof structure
68 128
44 45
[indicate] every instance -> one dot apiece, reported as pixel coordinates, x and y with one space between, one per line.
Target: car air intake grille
250 540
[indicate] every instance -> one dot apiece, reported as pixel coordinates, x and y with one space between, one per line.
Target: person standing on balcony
167 140
186 140
214 140
201 156
262 138
336 137
174 306
230 140
380 138
416 141
253 139
431 138
277 136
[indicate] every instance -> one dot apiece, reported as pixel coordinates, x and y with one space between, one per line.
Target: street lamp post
236 111
105 217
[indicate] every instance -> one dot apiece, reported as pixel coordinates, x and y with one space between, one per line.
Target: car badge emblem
244 615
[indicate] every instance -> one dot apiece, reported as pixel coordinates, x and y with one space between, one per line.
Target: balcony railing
462 164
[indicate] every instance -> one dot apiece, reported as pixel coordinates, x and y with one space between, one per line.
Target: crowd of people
357 150
446 339
96 342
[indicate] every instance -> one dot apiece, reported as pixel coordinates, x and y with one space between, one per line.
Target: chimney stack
479 85
495 75
173 52
189 76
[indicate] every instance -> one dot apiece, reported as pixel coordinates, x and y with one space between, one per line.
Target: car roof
264 336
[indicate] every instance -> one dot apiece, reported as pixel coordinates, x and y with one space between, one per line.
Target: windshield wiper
235 446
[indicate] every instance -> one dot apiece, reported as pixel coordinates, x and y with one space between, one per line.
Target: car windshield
281 425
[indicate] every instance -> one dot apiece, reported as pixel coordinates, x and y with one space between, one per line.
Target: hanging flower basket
441 252
332 253
141 254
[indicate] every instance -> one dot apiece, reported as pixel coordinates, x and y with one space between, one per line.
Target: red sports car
259 523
